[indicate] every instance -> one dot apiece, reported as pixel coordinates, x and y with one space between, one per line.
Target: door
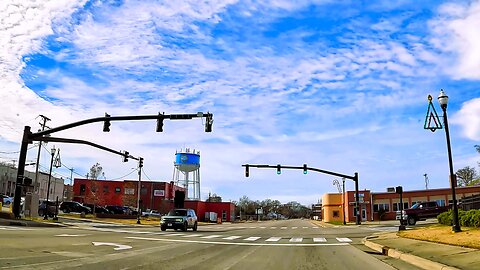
364 214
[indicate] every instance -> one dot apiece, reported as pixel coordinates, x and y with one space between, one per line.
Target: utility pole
139 189
43 125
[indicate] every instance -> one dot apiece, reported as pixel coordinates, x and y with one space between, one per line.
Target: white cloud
469 118
456 31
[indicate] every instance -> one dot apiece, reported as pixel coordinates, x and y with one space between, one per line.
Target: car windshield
177 213
415 206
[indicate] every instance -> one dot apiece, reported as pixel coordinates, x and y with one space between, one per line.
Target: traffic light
140 163
304 168
279 170
160 123
208 122
247 172
399 190
125 156
106 124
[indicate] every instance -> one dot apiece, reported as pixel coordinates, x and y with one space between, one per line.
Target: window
224 215
381 207
441 202
336 213
117 190
143 191
396 206
105 189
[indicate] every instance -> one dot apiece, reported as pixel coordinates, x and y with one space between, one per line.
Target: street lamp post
48 186
443 100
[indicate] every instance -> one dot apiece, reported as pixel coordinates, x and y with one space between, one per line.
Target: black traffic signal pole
354 178
29 137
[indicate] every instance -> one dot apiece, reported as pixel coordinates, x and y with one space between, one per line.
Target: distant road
285 244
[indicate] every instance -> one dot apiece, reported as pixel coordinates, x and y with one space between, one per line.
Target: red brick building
153 195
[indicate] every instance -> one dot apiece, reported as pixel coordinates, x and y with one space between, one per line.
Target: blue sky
341 87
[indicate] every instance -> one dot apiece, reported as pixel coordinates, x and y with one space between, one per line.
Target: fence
470 202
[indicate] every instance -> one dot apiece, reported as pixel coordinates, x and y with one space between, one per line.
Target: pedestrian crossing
220 227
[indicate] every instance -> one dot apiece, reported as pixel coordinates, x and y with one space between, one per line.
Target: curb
409 258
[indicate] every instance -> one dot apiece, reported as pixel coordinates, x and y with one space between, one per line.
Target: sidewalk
423 254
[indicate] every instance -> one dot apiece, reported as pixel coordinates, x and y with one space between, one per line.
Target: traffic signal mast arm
66 140
208 115
305 168
300 168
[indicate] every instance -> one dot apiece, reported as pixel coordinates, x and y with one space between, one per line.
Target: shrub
469 218
445 218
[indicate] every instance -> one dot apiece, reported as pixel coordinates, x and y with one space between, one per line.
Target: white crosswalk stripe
315 227
283 228
231 237
305 227
253 238
319 239
211 236
296 239
263 227
344 240
175 234
273 239
191 235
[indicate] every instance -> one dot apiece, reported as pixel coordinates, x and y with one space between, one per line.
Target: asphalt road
286 244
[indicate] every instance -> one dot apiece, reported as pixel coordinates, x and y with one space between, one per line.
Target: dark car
68 207
98 209
179 219
115 209
52 208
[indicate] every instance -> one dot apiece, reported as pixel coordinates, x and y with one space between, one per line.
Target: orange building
383 205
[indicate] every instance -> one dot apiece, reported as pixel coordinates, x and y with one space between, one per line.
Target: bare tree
466 176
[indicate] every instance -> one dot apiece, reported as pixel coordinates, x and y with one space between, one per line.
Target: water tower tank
187 164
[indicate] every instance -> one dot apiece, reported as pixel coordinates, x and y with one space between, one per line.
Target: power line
118 178
146 174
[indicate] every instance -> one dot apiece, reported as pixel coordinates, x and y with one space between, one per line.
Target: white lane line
253 238
231 237
319 239
283 228
273 239
263 227
293 228
273 228
15 228
305 227
71 235
237 243
253 227
211 236
191 235
175 234
241 227
344 240
296 239
314 227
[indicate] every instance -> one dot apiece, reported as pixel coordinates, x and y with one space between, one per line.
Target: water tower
188 163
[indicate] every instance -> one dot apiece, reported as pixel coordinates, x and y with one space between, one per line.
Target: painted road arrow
118 246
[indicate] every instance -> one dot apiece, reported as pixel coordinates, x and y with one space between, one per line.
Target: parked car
6 200
115 209
52 208
68 207
98 209
421 211
151 213
179 219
